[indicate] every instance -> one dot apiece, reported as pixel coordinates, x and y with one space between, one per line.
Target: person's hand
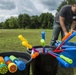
73 30
65 33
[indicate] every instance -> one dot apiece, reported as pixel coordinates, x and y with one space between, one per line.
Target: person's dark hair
73 3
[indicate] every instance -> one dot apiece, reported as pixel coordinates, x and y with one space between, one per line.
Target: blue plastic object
43 35
20 64
6 58
64 63
72 55
66 45
69 49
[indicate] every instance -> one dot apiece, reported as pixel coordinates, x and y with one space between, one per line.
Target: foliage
64 2
45 20
35 24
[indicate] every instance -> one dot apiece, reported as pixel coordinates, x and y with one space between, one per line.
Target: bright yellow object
22 38
26 45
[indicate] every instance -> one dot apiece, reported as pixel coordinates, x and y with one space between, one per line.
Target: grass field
9 40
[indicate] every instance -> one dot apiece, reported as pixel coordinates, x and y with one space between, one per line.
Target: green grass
9 40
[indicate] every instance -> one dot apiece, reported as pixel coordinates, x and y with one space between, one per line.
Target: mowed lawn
9 41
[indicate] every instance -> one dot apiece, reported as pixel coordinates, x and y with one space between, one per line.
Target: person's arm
73 26
63 25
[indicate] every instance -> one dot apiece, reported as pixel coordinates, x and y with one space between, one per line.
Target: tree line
45 20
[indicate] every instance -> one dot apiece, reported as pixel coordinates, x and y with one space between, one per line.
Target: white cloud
32 7
47 5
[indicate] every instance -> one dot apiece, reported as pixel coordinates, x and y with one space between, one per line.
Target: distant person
64 20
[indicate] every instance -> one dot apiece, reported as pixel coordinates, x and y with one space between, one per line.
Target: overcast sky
32 7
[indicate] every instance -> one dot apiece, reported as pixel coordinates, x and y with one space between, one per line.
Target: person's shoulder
66 6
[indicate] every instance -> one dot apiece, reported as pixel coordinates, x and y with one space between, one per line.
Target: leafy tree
26 21
71 1
46 19
1 25
41 18
5 25
13 23
62 4
20 21
66 2
35 22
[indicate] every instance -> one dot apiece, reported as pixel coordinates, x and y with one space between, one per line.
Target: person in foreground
63 21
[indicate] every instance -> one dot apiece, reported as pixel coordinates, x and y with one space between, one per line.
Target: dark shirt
67 13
